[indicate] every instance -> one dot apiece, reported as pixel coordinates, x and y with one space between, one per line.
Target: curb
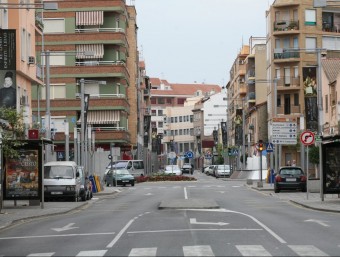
314 208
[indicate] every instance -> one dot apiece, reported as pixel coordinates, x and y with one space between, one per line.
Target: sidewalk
22 212
12 214
331 202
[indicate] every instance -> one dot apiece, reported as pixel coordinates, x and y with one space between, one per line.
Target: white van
135 167
62 180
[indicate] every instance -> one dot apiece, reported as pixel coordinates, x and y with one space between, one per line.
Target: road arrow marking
320 222
194 221
222 192
67 227
148 194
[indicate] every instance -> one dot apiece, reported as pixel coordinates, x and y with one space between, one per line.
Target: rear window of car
291 172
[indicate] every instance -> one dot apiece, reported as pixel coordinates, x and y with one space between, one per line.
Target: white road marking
320 222
98 253
194 229
65 235
194 221
64 228
40 255
185 193
252 250
143 251
247 215
198 250
148 194
119 235
307 250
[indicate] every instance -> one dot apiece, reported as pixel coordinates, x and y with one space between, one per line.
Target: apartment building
95 43
17 37
165 95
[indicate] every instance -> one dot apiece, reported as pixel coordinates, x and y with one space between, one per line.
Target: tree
13 131
313 155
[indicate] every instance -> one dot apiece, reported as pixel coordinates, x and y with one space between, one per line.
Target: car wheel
304 189
276 190
133 183
83 197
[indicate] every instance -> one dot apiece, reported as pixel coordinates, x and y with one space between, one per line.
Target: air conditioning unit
31 60
23 100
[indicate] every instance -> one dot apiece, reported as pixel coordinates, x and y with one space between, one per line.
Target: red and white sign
307 138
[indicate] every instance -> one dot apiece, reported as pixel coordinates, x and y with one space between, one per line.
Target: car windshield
223 167
57 172
172 167
117 165
291 172
120 172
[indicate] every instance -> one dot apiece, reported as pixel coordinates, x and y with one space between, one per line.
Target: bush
163 177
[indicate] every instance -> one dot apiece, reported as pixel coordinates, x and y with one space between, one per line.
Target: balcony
251 97
330 22
280 55
289 110
288 83
286 26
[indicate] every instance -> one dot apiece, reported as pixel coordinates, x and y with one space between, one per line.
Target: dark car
119 177
187 168
290 177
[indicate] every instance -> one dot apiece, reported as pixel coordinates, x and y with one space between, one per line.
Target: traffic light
229 151
172 145
260 146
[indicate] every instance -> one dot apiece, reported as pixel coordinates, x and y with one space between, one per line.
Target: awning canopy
96 49
102 117
89 18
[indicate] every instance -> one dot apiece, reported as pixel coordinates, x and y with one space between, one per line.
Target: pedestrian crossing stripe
201 250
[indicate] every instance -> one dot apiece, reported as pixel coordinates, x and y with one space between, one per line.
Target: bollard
249 181
259 184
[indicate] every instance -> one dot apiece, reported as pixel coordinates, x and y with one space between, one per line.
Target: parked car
172 169
119 177
63 180
222 171
187 168
210 170
290 177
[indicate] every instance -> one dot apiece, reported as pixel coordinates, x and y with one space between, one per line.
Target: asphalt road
248 223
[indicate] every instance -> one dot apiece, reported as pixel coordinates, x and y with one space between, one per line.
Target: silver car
222 171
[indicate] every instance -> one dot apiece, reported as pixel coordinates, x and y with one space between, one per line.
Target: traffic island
188 204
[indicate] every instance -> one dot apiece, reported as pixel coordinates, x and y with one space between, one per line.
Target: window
180 118
160 112
287 76
153 112
310 44
29 44
160 124
56 59
160 100
296 99
56 92
278 100
310 17
191 118
168 101
176 119
23 45
153 100
54 26
332 95
180 100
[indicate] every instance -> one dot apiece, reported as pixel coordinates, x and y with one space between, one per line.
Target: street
247 223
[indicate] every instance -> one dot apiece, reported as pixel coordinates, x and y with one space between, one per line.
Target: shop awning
102 117
89 18
96 49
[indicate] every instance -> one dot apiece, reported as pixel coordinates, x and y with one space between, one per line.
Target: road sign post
307 138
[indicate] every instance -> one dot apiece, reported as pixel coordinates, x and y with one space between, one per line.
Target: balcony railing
288 109
107 96
100 30
286 55
98 63
286 25
288 83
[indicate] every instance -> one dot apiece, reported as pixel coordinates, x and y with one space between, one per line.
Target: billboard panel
310 92
8 68
331 167
23 177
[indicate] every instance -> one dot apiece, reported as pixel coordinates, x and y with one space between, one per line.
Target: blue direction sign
270 147
189 154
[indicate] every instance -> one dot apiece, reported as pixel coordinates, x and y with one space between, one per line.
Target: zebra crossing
203 250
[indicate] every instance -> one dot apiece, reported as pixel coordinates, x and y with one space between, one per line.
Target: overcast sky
188 41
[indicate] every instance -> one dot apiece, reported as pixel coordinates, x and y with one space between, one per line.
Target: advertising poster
22 176
8 68
310 92
331 168
238 127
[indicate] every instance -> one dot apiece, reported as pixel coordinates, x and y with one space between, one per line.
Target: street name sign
284 131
